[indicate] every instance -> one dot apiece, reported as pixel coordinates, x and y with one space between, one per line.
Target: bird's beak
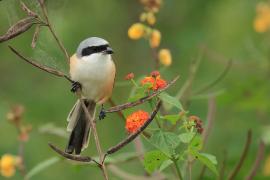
109 50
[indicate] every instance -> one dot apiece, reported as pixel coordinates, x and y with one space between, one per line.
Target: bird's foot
75 86
102 113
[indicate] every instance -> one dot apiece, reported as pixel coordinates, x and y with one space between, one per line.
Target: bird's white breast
94 72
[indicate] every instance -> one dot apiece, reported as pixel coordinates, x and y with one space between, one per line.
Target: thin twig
40 66
132 136
217 80
210 118
243 156
258 160
84 159
60 44
155 57
93 126
185 92
22 167
223 166
140 101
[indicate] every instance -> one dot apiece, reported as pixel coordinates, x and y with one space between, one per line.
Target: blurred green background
225 28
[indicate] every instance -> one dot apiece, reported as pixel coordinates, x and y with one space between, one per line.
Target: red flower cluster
198 123
136 120
155 81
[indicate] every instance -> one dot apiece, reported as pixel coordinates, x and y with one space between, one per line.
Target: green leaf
170 100
211 157
139 93
166 142
186 137
206 159
153 160
41 167
173 118
165 164
196 143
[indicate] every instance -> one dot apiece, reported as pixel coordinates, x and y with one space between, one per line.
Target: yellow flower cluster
7 165
144 29
165 57
262 20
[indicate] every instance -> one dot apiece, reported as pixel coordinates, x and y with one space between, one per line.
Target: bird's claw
75 86
102 113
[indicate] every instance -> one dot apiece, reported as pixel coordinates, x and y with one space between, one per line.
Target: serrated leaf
153 160
170 100
41 167
166 142
186 137
173 118
206 159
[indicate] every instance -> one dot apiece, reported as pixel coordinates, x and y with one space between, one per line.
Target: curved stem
243 157
217 80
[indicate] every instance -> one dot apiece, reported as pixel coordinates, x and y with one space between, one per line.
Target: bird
92 70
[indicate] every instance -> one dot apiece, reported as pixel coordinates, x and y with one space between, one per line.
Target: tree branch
131 137
40 66
140 101
93 126
84 159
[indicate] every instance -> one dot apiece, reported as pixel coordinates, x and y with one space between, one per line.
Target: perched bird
93 71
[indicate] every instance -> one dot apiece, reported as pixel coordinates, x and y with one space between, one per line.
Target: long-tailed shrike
92 69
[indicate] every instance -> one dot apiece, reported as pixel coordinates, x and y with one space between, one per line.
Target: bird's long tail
79 126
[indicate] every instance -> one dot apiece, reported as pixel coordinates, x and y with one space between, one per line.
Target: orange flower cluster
198 123
136 120
7 165
155 81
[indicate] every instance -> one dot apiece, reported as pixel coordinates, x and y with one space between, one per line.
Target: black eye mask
94 49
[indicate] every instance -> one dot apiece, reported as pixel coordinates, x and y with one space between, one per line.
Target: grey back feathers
90 42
